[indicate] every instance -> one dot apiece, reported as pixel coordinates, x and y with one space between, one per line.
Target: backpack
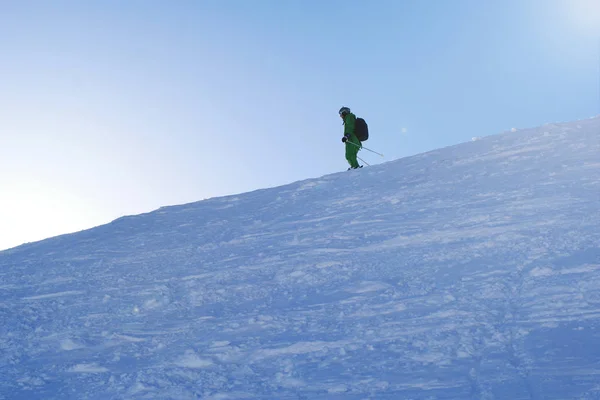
361 129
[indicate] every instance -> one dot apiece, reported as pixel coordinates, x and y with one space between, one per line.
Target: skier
353 145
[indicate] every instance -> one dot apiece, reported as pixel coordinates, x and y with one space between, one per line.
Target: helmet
344 110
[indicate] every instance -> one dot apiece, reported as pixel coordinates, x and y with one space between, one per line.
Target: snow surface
469 272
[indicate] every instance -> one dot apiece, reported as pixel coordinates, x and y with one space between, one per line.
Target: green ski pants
352 148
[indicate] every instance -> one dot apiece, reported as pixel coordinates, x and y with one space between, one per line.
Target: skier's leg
348 155
351 154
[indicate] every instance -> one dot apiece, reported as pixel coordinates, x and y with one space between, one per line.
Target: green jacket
349 124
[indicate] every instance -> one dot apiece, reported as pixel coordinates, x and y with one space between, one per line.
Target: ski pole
365 148
363 161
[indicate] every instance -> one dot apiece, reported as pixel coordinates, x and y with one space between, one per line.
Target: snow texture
469 272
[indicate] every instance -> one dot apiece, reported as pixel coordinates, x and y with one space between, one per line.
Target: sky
112 108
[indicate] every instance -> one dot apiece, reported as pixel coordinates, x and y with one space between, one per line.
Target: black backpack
361 129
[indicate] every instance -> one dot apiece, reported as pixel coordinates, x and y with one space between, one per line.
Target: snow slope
470 272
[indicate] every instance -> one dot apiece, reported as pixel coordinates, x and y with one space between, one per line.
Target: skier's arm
349 121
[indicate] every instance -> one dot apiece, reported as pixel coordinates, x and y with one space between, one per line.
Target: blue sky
109 108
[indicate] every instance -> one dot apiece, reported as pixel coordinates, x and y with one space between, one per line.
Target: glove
344 139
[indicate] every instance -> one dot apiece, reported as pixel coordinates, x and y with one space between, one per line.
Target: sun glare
34 212
585 14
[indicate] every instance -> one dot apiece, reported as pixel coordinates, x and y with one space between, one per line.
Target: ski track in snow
470 272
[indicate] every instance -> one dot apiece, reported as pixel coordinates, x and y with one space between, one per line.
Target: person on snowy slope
353 145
